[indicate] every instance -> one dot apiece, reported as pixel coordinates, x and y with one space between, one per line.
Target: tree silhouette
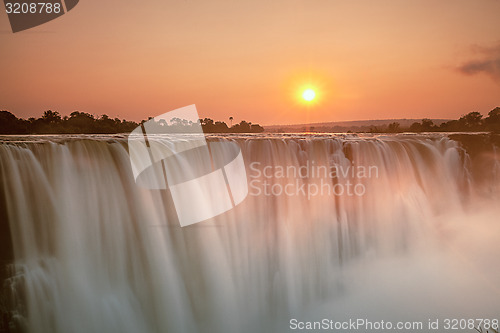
10 124
427 125
494 115
393 127
471 121
493 120
50 116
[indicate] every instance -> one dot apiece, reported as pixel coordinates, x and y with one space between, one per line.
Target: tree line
471 122
51 122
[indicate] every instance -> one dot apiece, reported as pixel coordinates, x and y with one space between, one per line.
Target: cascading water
96 253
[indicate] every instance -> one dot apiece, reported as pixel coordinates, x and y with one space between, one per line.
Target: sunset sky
365 59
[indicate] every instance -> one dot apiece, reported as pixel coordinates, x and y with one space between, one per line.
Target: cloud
487 62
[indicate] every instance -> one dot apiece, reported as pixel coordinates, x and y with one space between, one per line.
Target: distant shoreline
471 122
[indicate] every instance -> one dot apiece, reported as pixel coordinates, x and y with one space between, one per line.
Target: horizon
355 121
235 121
81 122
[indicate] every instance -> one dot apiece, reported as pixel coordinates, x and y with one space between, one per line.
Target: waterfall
94 252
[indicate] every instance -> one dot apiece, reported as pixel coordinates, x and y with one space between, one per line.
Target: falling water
93 252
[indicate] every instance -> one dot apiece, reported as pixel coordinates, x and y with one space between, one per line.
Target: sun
308 95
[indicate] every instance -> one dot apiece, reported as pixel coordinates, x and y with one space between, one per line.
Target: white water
96 253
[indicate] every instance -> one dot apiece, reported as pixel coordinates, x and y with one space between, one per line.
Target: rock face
484 154
476 144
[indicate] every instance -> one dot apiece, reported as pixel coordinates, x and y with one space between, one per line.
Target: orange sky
367 59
